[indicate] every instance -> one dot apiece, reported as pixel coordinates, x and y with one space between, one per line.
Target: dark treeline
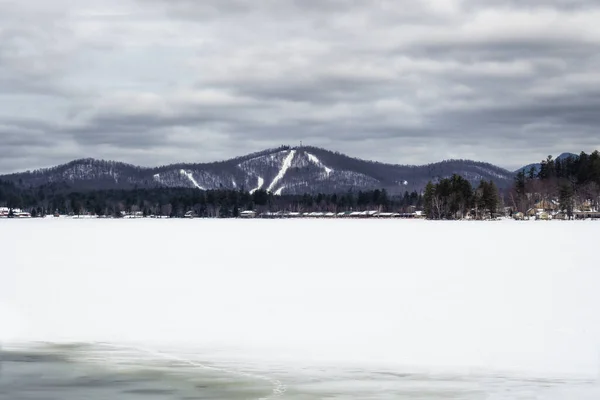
455 198
175 202
572 182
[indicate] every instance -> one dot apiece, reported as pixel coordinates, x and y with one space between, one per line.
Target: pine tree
565 199
428 199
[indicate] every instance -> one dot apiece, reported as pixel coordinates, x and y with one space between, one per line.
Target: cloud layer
158 81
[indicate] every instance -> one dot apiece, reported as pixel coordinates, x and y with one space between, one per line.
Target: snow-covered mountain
285 170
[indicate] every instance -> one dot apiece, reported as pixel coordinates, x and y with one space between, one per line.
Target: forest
572 182
455 198
175 202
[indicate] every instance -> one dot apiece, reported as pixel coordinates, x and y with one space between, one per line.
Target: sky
152 82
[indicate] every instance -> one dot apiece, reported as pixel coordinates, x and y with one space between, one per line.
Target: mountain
284 170
537 166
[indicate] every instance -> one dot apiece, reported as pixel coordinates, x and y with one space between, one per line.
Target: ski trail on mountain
315 160
191 178
287 163
278 388
279 191
261 182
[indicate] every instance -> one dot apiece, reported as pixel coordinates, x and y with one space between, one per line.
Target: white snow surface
279 191
454 296
287 162
191 178
315 160
261 182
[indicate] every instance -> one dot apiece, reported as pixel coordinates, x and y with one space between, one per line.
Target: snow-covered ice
352 309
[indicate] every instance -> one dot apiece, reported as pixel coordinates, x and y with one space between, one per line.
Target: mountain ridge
282 170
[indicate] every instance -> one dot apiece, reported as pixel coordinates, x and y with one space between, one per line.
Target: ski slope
191 178
318 162
261 182
287 163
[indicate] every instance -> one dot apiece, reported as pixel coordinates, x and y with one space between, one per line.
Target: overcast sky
152 82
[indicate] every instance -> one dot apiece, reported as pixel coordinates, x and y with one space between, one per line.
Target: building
190 214
248 214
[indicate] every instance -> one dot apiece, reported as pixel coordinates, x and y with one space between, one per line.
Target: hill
284 170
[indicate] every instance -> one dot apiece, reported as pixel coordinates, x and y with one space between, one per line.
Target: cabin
561 215
547 205
248 214
518 216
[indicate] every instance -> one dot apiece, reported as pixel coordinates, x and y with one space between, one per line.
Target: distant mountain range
284 170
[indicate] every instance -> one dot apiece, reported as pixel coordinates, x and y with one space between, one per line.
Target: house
16 213
547 205
519 216
248 214
561 215
544 216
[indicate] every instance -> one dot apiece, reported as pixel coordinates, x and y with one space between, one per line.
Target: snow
261 182
191 178
233 183
315 160
279 191
287 163
461 296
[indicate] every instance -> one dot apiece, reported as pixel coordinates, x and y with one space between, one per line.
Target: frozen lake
299 309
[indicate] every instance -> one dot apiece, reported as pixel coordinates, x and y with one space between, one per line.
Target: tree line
455 198
175 202
572 182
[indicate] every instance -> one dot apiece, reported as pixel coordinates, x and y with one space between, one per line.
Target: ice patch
261 182
278 388
191 178
315 160
287 163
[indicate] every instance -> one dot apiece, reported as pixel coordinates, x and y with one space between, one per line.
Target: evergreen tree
428 201
565 199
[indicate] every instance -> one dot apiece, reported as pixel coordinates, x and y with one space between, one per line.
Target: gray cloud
160 81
